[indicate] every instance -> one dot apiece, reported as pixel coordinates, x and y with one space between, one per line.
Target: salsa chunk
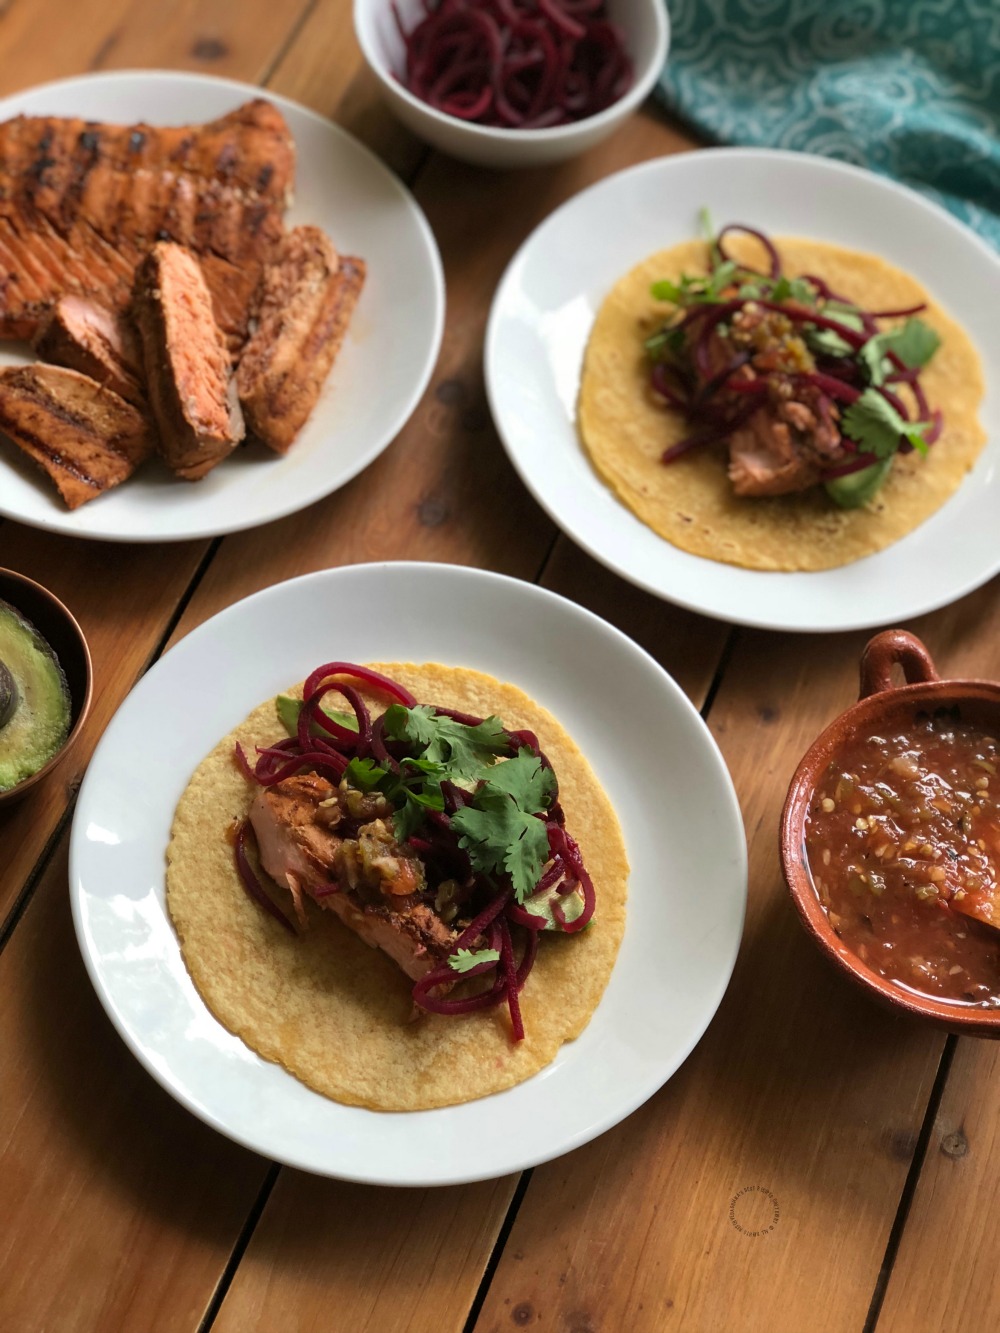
903 843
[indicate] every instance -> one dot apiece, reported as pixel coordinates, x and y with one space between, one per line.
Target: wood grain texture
944 1277
120 1207
688 646
343 88
386 1261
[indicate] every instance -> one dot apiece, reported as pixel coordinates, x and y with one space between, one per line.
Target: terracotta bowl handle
886 650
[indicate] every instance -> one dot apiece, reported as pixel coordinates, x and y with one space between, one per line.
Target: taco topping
804 386
436 836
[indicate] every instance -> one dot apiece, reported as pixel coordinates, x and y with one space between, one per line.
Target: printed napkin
907 88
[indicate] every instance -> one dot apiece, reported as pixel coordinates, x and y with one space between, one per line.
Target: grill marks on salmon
307 296
82 202
96 341
82 434
189 377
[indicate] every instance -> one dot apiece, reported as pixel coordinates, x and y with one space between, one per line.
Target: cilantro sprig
914 343
878 428
501 830
500 826
466 959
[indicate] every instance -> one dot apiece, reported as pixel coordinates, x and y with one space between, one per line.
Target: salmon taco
780 405
402 883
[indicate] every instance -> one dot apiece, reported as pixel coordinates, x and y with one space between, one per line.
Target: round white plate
541 319
655 758
377 380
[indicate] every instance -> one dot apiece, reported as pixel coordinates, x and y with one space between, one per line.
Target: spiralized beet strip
509 970
367 677
765 241
515 64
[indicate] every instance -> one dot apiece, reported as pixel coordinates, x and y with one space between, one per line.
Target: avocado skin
39 723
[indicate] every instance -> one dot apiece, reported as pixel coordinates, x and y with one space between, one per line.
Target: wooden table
869 1143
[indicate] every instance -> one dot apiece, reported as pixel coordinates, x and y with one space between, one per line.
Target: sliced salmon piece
96 341
307 297
82 434
360 879
188 373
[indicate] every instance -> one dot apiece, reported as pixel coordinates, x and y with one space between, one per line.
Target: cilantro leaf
793 289
525 779
848 315
461 749
913 342
365 774
827 342
466 959
499 836
692 290
289 710
526 857
876 425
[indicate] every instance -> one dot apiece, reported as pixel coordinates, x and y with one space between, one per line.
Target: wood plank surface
386 1261
945 1275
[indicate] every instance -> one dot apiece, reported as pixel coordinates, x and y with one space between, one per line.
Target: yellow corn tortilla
338 1014
690 501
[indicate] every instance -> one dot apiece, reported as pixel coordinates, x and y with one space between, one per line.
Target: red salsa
903 842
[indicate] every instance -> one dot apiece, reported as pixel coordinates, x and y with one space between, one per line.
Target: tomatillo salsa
903 842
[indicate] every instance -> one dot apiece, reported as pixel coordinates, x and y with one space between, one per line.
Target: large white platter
541 319
649 748
383 367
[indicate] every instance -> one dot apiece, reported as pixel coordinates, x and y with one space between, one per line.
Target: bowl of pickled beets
890 839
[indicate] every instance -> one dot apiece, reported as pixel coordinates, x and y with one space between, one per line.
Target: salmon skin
82 434
82 202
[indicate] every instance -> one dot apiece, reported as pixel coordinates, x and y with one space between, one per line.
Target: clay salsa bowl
65 637
881 707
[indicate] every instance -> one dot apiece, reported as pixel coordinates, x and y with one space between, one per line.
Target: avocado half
35 706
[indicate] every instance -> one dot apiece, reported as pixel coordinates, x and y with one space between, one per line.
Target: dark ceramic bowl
65 637
881 706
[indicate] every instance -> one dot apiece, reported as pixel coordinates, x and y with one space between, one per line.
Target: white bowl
646 28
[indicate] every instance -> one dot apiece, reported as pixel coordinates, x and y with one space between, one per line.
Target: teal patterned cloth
907 88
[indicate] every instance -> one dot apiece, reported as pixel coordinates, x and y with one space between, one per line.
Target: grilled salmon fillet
85 436
307 296
96 341
82 202
189 377
366 879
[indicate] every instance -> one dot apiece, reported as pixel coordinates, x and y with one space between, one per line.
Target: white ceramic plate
655 758
550 294
382 369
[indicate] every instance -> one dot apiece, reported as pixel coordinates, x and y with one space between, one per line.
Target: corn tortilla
690 501
336 1013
